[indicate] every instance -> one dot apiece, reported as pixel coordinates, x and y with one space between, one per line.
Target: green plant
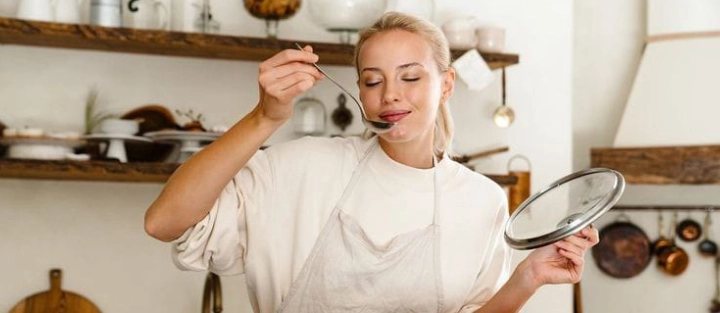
93 117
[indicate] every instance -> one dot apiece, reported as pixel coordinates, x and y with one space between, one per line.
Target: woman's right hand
283 77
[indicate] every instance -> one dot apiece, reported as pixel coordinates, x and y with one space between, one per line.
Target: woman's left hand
563 261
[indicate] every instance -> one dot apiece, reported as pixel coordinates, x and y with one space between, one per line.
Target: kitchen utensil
212 293
375 126
272 11
662 242
715 304
341 116
673 260
623 250
563 208
504 116
707 247
689 229
55 300
520 191
41 10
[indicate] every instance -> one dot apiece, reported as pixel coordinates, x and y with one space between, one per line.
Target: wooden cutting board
55 300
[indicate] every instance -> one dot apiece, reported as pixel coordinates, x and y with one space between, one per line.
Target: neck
413 154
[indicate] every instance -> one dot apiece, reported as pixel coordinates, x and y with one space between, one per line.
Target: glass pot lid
563 208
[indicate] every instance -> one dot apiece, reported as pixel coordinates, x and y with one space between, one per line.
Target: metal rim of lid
575 225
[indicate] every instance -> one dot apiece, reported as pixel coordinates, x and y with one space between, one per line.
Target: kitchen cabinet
153 42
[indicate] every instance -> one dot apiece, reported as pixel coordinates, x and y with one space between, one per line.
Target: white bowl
490 39
118 126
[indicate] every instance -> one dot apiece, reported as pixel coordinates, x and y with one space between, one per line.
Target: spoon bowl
375 126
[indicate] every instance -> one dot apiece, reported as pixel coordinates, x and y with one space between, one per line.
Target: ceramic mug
147 14
40 10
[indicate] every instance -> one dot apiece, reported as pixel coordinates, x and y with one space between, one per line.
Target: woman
387 223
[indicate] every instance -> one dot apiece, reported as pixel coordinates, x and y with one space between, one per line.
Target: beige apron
347 272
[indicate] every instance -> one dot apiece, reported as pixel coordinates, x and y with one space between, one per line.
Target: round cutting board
55 300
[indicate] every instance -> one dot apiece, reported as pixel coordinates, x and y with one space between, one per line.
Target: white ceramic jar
460 33
490 39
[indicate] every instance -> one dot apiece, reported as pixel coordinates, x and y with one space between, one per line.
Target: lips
394 116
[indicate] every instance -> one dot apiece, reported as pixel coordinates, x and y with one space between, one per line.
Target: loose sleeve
496 267
218 242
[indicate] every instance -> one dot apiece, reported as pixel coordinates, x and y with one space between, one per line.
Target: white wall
609 38
94 230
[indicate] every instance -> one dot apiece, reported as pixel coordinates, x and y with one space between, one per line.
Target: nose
391 92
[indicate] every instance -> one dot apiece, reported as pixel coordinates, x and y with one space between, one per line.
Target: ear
448 85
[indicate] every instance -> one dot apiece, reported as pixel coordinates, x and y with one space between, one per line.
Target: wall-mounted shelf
114 171
662 165
666 208
90 37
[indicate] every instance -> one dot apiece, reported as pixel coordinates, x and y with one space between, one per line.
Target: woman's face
399 82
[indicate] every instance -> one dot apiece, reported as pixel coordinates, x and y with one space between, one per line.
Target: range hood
675 98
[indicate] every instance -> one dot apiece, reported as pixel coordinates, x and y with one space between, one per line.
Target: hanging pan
624 249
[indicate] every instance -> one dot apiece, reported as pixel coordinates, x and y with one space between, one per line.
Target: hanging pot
661 242
689 230
673 260
623 250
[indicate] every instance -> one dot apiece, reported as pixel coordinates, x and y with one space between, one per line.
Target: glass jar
309 116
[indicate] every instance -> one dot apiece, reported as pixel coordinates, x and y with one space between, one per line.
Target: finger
575 259
573 244
290 86
591 234
287 69
288 56
308 48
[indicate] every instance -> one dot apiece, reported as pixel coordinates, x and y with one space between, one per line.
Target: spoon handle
334 82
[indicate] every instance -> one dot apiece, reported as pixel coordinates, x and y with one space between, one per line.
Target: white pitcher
41 10
68 11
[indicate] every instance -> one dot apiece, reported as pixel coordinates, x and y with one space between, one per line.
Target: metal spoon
375 126
504 115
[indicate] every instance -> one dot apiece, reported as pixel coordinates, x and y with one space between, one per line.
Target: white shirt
267 219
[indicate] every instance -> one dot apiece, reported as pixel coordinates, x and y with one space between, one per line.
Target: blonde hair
434 37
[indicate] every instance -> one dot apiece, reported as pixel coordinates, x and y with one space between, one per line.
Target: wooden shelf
691 165
711 208
114 171
90 37
87 170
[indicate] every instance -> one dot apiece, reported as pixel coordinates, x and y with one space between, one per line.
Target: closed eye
371 84
411 79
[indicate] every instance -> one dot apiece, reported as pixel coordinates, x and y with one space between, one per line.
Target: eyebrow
403 66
